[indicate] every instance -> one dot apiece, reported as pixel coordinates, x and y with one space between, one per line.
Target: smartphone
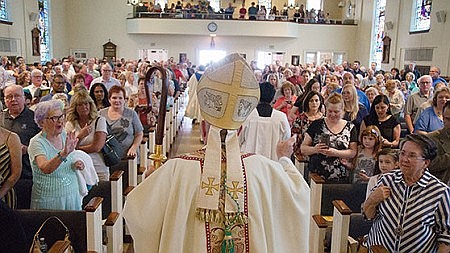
325 138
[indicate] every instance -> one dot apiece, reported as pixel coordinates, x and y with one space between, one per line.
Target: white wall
87 24
438 37
110 23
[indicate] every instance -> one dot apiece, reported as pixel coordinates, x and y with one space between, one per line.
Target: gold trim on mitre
228 92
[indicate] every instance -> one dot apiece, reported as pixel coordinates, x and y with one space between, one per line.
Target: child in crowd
387 162
364 163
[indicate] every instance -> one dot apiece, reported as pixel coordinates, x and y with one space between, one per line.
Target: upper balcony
221 24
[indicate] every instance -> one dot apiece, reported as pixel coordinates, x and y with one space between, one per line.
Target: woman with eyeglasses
410 207
55 184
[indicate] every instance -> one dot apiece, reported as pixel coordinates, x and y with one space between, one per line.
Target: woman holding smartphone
329 140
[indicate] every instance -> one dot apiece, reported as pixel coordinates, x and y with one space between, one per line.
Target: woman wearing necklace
312 106
431 118
55 184
380 115
90 129
123 122
330 139
410 207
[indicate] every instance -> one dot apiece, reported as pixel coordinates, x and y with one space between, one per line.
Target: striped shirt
414 218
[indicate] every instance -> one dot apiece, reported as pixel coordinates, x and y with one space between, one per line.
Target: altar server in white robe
217 200
264 127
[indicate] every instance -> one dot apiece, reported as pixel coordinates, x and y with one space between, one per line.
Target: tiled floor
187 140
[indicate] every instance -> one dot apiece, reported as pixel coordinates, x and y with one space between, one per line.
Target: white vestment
161 211
193 107
260 135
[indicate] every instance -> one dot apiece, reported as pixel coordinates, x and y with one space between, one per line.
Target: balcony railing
189 14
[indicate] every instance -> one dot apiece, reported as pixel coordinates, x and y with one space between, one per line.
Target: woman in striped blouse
411 207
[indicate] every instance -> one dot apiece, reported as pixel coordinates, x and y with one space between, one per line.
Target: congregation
203 10
350 125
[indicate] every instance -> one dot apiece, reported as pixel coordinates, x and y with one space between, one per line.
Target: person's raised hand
286 148
71 143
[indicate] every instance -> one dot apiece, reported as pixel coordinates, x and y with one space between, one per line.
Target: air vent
419 54
10 46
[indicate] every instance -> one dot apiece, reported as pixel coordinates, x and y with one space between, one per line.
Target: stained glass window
43 26
421 15
3 11
378 32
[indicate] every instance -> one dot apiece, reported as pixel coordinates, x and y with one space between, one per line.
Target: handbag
36 245
112 150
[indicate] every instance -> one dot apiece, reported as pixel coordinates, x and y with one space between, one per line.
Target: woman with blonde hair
353 110
330 139
90 129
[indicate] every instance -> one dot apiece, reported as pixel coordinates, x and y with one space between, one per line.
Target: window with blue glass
420 18
43 26
3 11
376 54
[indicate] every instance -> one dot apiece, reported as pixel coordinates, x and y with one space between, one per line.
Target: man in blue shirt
435 73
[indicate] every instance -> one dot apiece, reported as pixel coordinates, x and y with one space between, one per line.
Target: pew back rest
102 189
352 194
359 226
53 231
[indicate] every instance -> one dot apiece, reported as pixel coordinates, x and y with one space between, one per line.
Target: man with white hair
36 88
416 99
106 78
217 200
91 68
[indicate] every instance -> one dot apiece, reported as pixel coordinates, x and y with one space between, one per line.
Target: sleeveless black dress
5 172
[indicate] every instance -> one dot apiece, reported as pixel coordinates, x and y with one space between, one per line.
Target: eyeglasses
424 83
57 118
410 156
15 96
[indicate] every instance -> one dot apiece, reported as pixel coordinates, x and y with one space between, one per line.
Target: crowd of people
347 121
203 9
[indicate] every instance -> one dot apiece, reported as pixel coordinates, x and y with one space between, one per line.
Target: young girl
387 162
364 163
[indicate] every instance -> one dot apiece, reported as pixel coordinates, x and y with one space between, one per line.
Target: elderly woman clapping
55 183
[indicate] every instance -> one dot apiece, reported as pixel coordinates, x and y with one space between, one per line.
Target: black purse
112 150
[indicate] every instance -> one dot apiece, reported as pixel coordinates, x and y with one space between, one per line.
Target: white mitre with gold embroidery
227 93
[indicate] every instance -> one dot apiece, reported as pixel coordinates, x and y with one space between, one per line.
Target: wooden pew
321 203
143 164
85 226
112 193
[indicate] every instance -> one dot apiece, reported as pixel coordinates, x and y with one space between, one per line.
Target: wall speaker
441 16
33 16
389 25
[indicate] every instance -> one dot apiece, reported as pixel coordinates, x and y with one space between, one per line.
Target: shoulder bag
112 150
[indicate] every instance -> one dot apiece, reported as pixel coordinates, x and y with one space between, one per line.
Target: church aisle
187 140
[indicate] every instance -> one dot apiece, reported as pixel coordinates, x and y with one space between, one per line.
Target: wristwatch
63 159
